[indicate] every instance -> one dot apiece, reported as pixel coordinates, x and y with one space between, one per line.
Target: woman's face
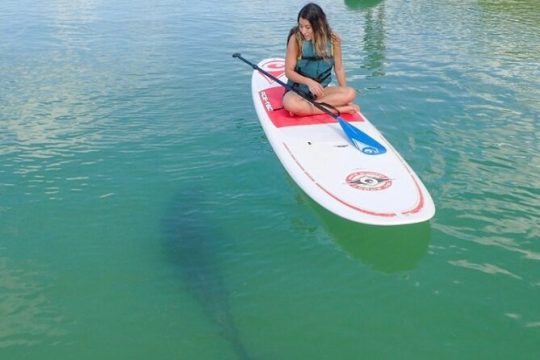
305 29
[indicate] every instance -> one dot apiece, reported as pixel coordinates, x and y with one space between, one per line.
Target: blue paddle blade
361 140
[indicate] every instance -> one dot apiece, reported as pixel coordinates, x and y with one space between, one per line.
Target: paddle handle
359 139
287 86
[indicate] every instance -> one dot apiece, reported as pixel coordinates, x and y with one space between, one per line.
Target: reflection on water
374 38
489 159
374 34
361 4
388 249
485 268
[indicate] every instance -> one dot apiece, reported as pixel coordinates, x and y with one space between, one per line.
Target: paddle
358 138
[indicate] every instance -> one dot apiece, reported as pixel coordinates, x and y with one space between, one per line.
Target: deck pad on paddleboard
379 189
272 100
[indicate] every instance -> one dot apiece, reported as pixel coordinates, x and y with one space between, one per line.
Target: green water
143 214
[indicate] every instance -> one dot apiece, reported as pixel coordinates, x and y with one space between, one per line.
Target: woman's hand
315 88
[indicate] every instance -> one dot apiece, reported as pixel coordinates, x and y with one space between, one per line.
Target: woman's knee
350 94
296 105
346 94
289 104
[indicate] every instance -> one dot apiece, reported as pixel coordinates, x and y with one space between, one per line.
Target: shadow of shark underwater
190 242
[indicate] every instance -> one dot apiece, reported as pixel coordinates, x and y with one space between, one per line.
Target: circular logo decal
368 181
274 65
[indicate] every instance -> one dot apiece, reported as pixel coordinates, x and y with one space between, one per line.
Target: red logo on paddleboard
368 181
275 68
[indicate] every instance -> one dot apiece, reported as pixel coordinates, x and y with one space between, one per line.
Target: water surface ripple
114 116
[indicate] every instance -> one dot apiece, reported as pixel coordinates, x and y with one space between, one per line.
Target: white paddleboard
378 189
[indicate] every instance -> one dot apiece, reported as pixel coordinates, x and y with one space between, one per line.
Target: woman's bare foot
349 109
355 106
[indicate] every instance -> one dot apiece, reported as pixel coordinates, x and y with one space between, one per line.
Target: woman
313 50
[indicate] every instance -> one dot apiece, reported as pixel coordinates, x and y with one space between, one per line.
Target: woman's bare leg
339 97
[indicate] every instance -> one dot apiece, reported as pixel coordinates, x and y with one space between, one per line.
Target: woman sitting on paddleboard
313 50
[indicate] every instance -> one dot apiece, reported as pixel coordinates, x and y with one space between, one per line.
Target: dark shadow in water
191 243
388 249
374 34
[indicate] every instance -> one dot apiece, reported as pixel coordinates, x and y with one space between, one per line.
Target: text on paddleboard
266 101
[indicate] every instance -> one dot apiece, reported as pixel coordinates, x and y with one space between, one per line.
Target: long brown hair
322 33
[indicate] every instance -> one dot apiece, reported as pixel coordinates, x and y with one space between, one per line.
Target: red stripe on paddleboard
414 210
272 98
369 212
420 205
